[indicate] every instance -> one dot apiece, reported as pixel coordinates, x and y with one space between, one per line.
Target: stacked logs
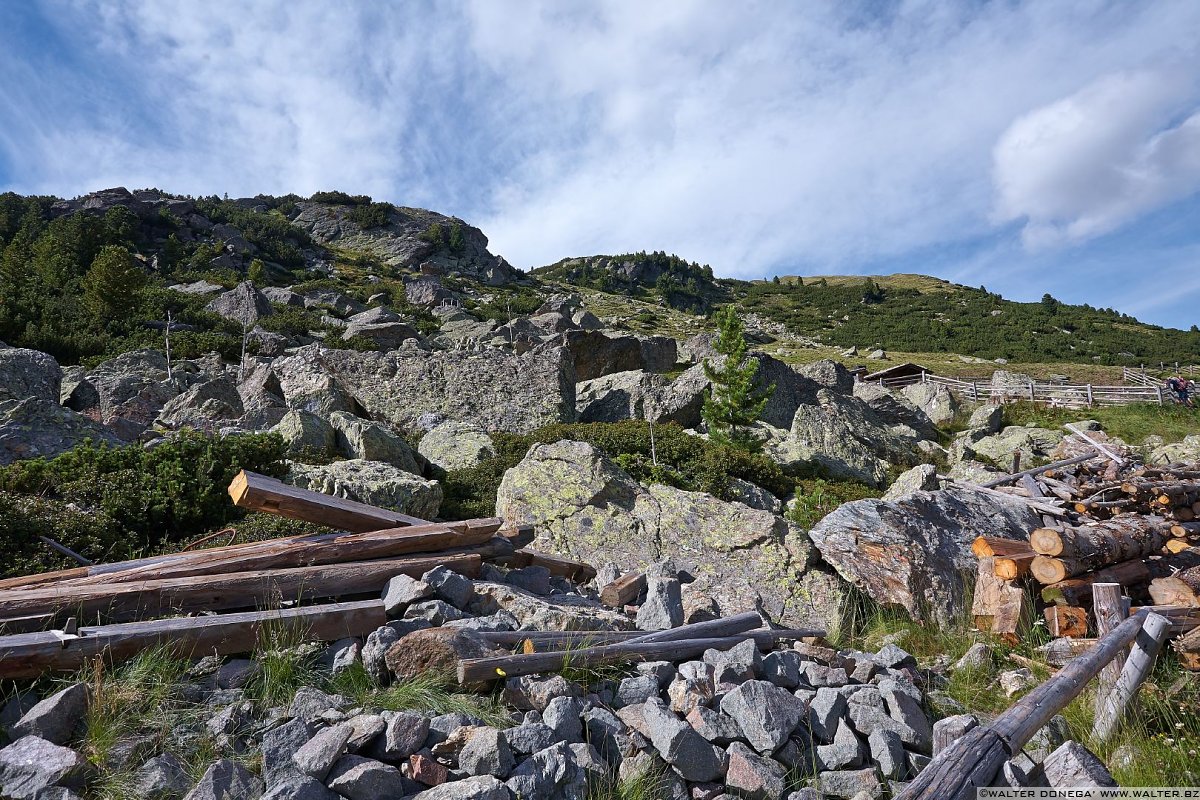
1134 525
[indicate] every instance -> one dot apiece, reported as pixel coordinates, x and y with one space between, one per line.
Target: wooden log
1187 648
709 629
1039 470
567 568
1104 451
993 546
1066 621
997 606
1108 606
261 493
1099 544
624 590
1078 591
1182 530
1137 667
1176 546
483 670
556 640
29 655
1180 589
1182 620
1013 567
974 759
263 588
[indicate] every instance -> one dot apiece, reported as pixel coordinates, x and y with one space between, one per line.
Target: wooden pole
1038 470
66 551
709 629
1116 459
1108 607
1137 667
261 493
623 590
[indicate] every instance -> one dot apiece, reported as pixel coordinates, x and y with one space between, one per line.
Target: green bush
685 461
146 499
23 519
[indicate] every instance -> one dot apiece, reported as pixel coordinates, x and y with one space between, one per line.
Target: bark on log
261 493
1013 567
1078 591
709 629
1099 544
29 655
1187 647
994 546
1039 470
624 590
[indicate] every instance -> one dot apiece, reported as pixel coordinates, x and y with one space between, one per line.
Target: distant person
1180 387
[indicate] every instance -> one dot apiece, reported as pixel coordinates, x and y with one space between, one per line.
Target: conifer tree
734 404
112 287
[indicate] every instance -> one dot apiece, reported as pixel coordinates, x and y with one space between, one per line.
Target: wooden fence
1062 395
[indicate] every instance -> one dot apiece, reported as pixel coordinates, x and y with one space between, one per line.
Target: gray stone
695 684
310 703
435 612
530 692
844 752
231 720
988 418
887 751
818 675
487 753
1073 765
948 730
456 445
529 738
236 673
926 541
402 591
634 394
243 304
892 656
847 784
405 734
365 729
161 778
372 441
307 384
906 709
450 586
605 731
226 779
753 776
443 726
635 690
661 671
316 756
532 579
867 718
278 746
35 428
382 335
300 787
358 778
663 607
283 297
1015 681
934 399
737 664
31 764
714 726
920 478
205 406
56 718
480 788
977 657
340 304
681 746
371 482
562 612
29 373
766 713
379 641
545 774
564 716
825 712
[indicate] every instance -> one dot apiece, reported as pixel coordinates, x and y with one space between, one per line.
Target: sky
1028 147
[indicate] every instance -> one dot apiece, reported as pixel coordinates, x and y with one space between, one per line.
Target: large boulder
843 438
1177 452
916 552
374 483
242 304
456 445
29 373
894 408
372 441
1033 443
585 507
206 406
132 390
381 335
308 384
306 435
934 399
634 394
596 353
496 390
684 398
1007 384
40 428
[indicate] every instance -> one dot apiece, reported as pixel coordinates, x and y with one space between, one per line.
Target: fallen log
261 493
1066 621
1012 568
1181 589
709 629
555 640
1182 530
28 655
484 670
577 571
262 588
1039 470
624 590
1078 591
1137 667
1077 551
1187 647
974 759
993 546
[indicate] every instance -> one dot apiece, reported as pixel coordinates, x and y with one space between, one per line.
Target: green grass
1132 423
650 784
285 665
429 692
816 497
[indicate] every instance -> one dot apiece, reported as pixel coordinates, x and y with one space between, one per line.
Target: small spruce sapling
734 403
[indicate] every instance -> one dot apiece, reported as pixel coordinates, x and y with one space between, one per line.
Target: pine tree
112 287
734 404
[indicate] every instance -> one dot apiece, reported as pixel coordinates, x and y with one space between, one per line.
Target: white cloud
1088 163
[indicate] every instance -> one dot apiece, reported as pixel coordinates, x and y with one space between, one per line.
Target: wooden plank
1137 667
483 670
1108 605
624 590
1066 621
29 655
261 493
124 601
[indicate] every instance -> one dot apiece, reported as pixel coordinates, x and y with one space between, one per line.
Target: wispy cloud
757 137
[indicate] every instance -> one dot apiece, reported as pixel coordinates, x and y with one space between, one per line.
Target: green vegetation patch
1132 423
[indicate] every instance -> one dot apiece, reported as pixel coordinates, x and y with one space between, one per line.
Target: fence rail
1065 395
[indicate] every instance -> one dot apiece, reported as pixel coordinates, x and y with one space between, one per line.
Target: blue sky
1029 147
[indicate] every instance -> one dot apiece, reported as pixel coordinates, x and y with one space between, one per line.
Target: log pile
59 620
1106 519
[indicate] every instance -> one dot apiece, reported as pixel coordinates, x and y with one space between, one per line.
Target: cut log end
1048 570
1046 542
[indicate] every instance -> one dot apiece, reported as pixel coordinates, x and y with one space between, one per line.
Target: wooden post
974 392
1160 394
1016 461
1032 396
1137 667
1089 395
1108 608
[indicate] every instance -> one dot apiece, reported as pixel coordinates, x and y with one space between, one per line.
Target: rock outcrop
36 428
584 506
916 552
456 445
374 483
29 373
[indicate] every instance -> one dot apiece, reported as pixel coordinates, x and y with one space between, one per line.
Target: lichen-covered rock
585 507
563 612
635 394
383 335
374 483
38 428
434 649
497 390
1032 442
242 304
915 552
132 390
372 441
308 383
1177 452
29 373
305 434
206 406
988 418
933 399
596 353
922 477
894 409
456 445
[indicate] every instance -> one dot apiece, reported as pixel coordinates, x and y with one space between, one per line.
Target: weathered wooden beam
29 655
1108 607
577 571
1137 667
482 670
1038 470
261 493
261 588
624 590
1078 591
709 629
